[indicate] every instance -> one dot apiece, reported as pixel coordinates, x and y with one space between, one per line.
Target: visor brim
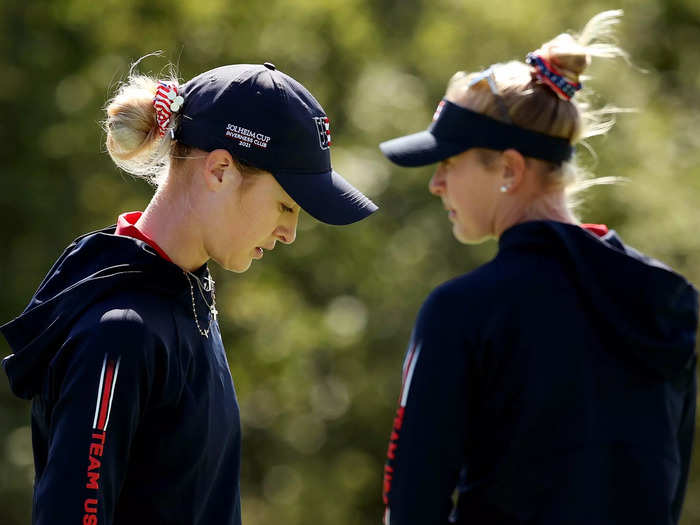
419 149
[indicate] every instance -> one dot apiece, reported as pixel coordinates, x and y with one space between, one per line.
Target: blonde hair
133 137
532 105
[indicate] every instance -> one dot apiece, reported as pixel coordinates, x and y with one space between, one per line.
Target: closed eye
286 208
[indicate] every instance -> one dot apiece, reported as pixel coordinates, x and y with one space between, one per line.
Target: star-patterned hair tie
546 73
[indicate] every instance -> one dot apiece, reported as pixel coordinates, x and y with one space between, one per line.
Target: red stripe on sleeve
106 391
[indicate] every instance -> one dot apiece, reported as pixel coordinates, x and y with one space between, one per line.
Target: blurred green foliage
316 333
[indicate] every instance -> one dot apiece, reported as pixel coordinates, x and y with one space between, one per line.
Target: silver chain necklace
208 286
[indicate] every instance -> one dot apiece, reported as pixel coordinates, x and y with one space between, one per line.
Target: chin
466 237
235 266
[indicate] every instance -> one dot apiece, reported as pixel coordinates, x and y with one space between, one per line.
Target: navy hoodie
134 413
555 385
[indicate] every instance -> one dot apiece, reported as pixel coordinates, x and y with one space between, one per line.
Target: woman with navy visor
556 383
134 414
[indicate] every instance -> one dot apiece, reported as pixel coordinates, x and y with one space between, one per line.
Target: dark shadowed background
316 332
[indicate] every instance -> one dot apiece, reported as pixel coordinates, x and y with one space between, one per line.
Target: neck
549 207
172 223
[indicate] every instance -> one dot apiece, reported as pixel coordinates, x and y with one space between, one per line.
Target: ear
220 170
514 170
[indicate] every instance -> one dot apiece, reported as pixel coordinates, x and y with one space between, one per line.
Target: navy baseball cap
268 120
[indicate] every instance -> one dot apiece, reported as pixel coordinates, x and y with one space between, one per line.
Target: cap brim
419 149
327 197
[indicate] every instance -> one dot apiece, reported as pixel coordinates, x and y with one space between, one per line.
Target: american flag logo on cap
323 126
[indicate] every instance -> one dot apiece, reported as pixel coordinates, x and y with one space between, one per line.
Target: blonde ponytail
133 139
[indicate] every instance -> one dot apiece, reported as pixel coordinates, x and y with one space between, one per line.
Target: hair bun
134 139
569 57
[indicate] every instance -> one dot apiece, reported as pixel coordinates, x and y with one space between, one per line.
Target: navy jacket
554 385
134 414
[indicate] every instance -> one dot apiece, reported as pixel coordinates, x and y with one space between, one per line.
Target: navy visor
457 129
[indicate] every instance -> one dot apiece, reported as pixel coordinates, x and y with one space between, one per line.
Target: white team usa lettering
323 126
247 137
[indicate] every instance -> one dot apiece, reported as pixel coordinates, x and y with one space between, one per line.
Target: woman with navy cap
556 383
134 414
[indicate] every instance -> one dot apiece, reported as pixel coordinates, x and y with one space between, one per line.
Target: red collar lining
597 229
126 226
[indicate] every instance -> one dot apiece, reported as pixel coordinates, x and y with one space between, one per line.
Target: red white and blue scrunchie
546 73
166 102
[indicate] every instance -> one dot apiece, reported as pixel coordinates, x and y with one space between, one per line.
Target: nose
287 233
436 186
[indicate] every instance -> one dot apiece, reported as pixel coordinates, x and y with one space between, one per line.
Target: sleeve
685 440
428 441
100 382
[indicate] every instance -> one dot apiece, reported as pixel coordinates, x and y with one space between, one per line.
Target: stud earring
504 188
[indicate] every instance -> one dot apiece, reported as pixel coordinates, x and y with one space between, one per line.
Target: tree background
316 332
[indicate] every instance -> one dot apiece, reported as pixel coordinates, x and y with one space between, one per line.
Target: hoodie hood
92 267
650 310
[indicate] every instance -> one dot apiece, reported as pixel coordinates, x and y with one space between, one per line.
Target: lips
451 212
259 250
